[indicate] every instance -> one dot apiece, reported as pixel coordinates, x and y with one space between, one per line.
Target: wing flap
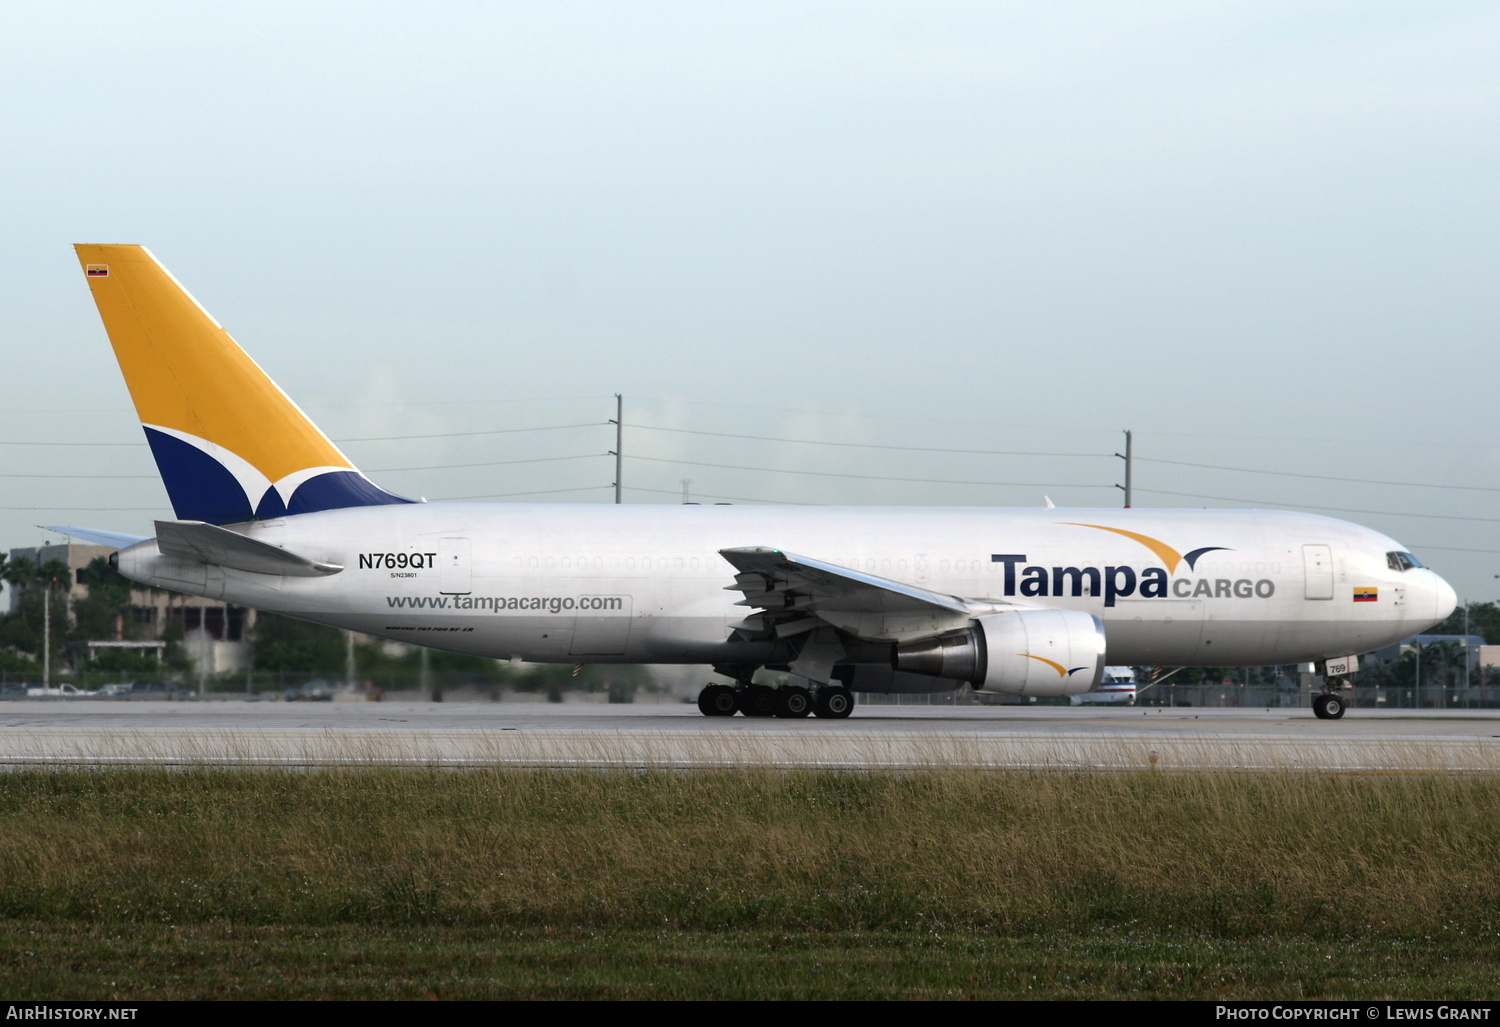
796 594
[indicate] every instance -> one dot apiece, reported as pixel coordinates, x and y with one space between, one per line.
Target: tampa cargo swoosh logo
1062 671
1169 556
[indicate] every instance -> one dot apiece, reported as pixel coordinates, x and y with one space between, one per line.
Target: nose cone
1444 597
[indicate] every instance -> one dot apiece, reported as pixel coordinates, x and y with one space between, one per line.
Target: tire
793 702
758 701
834 702
717 701
1333 707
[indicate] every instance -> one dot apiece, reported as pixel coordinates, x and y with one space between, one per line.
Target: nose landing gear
1329 705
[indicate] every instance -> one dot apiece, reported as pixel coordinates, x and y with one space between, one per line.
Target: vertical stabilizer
229 444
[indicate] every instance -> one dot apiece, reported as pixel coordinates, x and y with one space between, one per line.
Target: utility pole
205 644
1416 700
618 451
348 658
1466 652
1127 456
46 628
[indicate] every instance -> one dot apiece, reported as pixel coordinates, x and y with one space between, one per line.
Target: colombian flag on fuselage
1366 595
229 444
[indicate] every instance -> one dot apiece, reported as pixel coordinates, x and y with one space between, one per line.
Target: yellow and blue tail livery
229 444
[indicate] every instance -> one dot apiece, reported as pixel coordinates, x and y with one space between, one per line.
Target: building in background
215 635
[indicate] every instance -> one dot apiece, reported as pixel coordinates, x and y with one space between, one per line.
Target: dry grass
1222 855
803 746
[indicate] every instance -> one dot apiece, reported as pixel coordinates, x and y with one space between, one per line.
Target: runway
36 733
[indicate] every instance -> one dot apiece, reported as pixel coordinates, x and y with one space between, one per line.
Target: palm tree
27 576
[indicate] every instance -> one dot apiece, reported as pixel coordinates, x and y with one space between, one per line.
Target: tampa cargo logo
1036 581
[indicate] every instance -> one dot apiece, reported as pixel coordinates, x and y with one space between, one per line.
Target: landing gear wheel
758 701
717 701
835 702
793 701
1328 706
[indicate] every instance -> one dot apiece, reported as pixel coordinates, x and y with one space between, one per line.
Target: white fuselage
646 584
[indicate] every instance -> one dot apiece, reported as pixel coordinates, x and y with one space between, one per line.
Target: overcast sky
1260 235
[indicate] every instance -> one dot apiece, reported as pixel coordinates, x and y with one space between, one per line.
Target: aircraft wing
794 594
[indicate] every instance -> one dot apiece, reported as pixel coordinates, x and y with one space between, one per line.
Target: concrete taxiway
238 733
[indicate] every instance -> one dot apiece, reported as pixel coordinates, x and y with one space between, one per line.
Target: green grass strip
508 883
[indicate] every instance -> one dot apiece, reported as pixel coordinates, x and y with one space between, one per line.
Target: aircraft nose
1444 597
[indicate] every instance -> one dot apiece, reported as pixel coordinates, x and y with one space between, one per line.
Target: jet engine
1027 652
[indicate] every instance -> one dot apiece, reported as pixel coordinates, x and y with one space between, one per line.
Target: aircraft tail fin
229 444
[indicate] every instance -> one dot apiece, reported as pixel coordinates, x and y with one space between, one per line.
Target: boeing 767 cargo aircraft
1026 602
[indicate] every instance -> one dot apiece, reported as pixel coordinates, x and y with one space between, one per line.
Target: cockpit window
1401 561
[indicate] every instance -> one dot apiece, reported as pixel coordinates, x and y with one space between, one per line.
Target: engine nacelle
1028 652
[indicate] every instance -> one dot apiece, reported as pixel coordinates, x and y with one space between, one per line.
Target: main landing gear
790 702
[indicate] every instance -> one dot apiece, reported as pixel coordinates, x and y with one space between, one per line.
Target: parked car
155 690
15 691
112 691
316 690
56 691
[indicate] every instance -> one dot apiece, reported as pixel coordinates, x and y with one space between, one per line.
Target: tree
105 612
1484 620
24 629
284 644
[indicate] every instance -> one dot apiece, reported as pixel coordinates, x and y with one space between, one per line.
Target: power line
859 445
1039 426
1318 477
467 434
706 495
509 495
85 477
454 402
834 414
1331 509
489 463
23 443
123 410
867 477
90 509
372 438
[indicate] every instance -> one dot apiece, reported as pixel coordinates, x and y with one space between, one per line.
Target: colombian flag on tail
229 444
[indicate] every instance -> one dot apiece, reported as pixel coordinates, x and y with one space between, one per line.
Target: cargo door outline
601 632
1317 562
454 575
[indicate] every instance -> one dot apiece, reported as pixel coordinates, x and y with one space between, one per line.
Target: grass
745 883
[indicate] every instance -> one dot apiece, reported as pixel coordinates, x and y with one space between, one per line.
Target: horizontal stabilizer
208 543
93 536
